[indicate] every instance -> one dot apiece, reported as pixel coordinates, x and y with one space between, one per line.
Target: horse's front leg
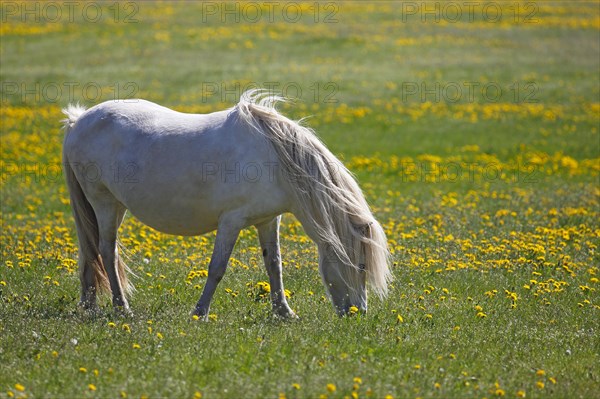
268 235
227 234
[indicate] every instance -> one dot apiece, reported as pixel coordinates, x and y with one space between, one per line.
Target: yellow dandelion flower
552 380
197 395
159 335
91 387
520 393
296 386
353 310
500 392
540 385
82 369
195 317
19 387
540 373
331 387
136 346
357 380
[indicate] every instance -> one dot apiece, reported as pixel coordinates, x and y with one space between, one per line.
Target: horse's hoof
87 308
287 315
122 311
197 315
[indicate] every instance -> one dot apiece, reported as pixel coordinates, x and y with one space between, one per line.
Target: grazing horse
189 174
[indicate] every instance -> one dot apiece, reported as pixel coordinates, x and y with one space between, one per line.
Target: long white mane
324 188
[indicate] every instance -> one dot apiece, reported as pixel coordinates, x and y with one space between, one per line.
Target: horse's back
141 117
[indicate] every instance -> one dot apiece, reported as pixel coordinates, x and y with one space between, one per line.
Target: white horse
189 174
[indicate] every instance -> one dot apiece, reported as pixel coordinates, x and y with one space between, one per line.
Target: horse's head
366 260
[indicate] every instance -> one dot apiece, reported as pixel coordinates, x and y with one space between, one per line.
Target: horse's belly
173 213
180 224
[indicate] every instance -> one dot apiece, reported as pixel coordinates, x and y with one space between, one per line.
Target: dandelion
552 380
19 387
540 373
353 310
197 395
499 392
520 393
296 386
136 346
91 387
82 370
331 387
540 385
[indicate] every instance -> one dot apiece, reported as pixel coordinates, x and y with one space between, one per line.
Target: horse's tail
326 192
90 260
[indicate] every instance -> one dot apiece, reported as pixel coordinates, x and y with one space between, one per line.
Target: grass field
474 137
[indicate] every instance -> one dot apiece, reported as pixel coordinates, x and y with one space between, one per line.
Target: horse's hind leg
268 235
110 215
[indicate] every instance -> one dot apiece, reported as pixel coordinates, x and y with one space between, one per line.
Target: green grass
463 248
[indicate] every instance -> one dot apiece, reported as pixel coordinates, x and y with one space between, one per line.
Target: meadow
474 137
